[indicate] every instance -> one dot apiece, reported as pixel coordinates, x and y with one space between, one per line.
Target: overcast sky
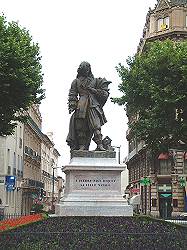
102 32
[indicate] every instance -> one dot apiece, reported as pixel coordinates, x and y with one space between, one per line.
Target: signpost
145 182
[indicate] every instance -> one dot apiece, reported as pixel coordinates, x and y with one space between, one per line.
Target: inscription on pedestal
95 183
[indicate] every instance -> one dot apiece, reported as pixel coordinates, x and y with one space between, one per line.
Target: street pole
119 154
145 182
145 189
118 147
53 190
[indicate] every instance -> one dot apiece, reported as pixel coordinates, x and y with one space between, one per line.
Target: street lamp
118 147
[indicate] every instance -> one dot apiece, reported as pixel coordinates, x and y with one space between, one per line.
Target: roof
178 2
162 4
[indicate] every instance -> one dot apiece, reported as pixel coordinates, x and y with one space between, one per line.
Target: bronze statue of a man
87 97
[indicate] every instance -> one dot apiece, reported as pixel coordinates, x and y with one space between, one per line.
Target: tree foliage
154 88
20 74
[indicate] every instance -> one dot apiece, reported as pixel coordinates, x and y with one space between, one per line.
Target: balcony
46 174
29 152
29 183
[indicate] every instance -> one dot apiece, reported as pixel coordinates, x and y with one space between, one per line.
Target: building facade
11 165
31 183
161 183
26 173
49 165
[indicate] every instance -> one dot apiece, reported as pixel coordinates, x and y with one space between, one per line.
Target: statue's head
84 69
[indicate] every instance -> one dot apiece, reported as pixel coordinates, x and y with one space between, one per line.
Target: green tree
154 88
20 74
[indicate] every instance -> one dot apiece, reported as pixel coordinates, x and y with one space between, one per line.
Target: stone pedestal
93 186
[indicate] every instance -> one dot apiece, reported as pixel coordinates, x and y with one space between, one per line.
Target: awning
163 156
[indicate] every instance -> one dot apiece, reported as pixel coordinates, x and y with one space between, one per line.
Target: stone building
49 165
11 166
28 157
31 183
162 187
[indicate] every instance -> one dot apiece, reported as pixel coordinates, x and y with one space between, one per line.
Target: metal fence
174 219
7 216
183 222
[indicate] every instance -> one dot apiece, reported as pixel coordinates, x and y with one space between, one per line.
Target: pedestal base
93 187
93 210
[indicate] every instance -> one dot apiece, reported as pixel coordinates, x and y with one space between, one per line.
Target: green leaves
154 87
21 77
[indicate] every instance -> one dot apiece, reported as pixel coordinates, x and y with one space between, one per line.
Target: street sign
9 188
145 181
10 181
164 187
135 190
165 195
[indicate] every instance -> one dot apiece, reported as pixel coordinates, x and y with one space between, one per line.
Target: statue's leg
98 140
81 131
95 127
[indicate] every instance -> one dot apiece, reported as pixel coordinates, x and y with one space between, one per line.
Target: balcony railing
32 154
29 183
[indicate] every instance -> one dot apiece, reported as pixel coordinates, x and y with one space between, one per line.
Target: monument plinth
93 186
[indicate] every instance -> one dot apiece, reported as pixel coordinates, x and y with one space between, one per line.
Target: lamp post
53 183
118 147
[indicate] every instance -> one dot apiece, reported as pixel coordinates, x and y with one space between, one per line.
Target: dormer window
163 23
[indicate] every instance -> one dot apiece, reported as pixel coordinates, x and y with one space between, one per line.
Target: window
20 142
165 167
154 202
132 145
9 170
8 162
175 203
18 162
14 171
185 166
163 23
14 160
